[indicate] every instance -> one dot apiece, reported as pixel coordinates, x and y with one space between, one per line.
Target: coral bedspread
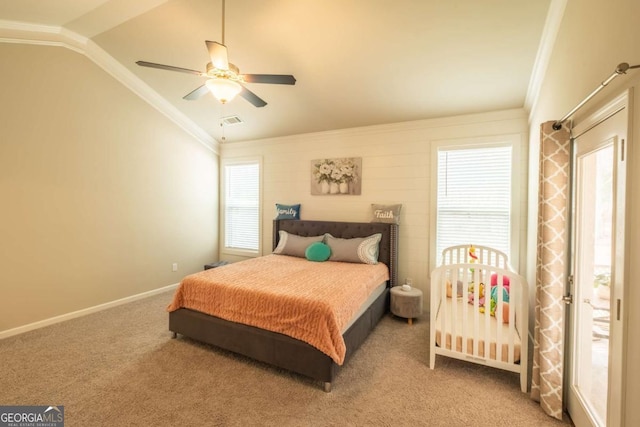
309 301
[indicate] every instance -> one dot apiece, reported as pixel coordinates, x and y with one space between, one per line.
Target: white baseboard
68 316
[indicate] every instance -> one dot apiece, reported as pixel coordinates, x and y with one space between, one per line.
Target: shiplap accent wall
396 162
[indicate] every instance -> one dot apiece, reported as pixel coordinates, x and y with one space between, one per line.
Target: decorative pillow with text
386 213
287 211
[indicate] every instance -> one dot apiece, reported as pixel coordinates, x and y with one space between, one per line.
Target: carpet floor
119 367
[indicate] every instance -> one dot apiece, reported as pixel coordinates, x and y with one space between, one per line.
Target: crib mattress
470 328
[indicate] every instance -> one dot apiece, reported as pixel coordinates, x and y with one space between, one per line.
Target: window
474 195
241 206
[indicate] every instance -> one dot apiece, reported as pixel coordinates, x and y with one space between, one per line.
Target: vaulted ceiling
357 62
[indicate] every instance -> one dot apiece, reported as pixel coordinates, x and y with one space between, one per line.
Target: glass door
592 278
595 331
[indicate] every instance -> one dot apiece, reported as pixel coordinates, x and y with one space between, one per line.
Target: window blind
241 206
474 197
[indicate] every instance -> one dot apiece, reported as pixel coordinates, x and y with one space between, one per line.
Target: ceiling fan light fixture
224 90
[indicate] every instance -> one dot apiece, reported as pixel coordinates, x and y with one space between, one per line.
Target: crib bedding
310 301
459 323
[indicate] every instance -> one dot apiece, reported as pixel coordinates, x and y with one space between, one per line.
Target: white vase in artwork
344 188
324 187
333 188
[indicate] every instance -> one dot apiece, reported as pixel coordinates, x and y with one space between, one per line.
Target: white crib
466 326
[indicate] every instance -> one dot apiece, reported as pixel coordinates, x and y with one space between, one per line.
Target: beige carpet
120 367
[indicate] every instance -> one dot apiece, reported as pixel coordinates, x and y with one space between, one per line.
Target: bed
282 350
479 310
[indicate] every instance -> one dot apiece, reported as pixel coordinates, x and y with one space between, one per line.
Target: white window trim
222 192
512 140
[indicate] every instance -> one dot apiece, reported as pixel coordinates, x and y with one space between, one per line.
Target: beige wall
396 168
594 37
100 192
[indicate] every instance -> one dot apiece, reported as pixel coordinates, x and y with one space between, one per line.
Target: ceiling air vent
231 120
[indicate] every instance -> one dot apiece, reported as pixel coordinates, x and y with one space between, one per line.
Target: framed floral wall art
340 176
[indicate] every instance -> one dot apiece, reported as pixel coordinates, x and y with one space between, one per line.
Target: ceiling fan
224 80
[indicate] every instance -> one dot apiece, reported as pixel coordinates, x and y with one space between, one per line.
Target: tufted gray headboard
388 251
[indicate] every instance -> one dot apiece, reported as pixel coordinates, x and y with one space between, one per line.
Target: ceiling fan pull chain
223 139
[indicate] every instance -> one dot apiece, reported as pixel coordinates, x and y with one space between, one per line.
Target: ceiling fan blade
197 93
218 54
277 79
252 97
169 67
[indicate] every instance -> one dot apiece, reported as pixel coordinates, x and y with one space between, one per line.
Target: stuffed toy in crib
493 301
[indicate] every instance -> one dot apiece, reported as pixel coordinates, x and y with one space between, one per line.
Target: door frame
617 359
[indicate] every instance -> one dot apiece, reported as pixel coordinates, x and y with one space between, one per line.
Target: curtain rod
620 69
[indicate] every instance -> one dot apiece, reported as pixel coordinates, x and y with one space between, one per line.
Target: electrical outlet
174 267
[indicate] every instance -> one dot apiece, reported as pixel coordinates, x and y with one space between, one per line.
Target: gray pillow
294 245
386 213
363 250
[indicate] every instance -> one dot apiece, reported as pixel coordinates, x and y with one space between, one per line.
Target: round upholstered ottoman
406 303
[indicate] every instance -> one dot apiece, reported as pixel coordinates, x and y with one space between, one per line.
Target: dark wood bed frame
281 350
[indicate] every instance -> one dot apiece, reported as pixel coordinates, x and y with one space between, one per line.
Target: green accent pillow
318 252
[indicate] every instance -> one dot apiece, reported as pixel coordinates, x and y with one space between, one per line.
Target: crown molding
502 116
545 49
27 33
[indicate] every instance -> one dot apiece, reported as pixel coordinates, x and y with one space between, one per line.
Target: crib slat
515 297
445 317
476 311
466 283
498 315
487 312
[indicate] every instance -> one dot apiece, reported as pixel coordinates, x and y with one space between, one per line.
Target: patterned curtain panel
552 256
